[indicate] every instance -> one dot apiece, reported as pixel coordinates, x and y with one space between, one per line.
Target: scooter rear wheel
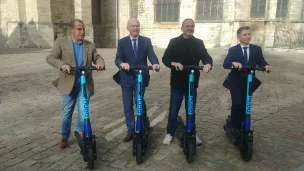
246 150
190 154
90 158
134 147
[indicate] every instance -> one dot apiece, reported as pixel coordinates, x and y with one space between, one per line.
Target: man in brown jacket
70 52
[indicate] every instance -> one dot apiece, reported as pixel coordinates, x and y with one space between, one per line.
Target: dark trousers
128 94
238 98
176 99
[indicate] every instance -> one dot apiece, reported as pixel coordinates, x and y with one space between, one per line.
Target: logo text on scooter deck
139 105
86 108
248 105
190 105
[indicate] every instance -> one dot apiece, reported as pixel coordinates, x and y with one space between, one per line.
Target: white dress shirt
131 38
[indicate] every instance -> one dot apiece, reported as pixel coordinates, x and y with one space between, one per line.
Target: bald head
132 21
133 27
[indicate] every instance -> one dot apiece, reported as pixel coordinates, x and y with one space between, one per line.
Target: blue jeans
176 98
68 105
127 97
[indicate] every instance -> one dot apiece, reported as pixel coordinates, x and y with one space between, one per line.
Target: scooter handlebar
141 67
193 67
248 67
83 68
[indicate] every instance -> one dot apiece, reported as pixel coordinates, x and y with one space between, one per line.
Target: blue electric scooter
143 130
88 143
245 138
188 139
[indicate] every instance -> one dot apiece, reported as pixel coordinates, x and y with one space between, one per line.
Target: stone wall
26 23
105 33
37 23
290 35
62 11
267 32
29 23
3 27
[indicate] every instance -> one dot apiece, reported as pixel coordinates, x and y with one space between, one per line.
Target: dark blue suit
236 80
127 79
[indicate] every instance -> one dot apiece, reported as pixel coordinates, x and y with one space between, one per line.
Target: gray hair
72 23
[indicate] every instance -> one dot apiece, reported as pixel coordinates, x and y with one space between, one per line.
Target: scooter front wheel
190 154
90 158
246 150
139 156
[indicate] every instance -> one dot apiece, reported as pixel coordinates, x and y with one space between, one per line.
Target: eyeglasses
189 26
80 29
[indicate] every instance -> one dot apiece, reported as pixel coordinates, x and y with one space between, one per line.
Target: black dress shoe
128 138
234 133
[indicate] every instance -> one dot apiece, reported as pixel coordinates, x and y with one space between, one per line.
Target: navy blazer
237 79
125 54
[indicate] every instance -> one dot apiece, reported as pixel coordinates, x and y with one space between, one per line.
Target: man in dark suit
183 50
133 50
239 55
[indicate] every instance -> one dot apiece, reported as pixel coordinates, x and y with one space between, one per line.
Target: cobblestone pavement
30 118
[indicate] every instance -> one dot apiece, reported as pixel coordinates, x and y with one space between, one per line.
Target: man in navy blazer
133 50
239 55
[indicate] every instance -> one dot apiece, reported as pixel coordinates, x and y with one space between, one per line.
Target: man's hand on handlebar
237 65
125 66
66 68
100 67
267 68
207 68
156 67
178 66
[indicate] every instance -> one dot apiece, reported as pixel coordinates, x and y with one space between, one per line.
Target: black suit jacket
187 52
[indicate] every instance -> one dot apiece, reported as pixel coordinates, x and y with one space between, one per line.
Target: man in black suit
183 50
238 56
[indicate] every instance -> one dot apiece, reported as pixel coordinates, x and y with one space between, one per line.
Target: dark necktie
134 48
245 54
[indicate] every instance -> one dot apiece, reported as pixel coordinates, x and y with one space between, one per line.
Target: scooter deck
235 140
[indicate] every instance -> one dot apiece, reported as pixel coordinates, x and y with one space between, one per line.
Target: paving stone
27 163
78 165
27 154
29 138
160 156
4 151
13 162
60 165
109 157
118 164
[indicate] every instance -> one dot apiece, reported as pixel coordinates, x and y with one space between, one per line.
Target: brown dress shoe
128 138
81 136
63 143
